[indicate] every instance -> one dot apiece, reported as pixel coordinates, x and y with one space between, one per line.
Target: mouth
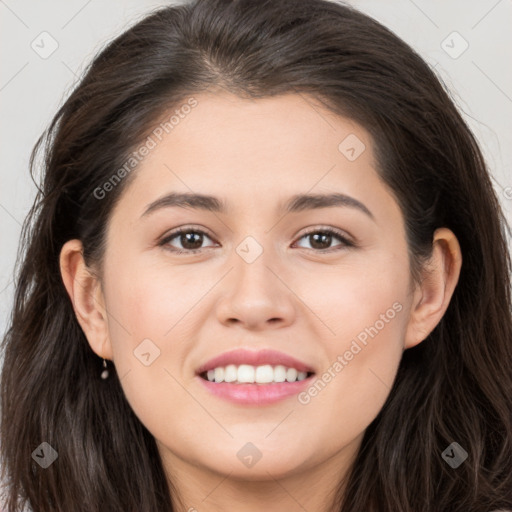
248 377
248 374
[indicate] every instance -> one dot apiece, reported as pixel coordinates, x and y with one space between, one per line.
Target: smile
247 374
249 377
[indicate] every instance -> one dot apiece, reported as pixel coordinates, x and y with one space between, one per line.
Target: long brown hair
455 386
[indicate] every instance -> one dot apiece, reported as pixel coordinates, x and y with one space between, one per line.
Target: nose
256 296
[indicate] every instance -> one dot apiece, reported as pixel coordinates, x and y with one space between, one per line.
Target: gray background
32 87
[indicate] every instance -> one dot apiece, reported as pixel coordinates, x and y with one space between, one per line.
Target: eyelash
329 231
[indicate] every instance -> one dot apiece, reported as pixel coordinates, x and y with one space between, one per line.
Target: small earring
104 373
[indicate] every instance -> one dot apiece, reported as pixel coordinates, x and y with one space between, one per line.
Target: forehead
249 153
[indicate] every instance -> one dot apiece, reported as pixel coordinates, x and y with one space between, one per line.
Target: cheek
365 308
349 297
151 302
151 319
353 386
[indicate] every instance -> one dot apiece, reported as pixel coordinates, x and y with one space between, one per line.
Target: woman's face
265 277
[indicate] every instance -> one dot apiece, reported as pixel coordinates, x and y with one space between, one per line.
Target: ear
84 290
439 279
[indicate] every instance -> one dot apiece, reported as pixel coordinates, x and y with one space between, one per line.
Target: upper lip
254 358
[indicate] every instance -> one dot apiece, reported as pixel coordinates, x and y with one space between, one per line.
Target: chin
247 464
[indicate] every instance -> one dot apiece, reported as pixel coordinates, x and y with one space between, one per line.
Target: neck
309 487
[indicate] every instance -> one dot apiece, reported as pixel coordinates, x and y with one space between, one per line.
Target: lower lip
256 394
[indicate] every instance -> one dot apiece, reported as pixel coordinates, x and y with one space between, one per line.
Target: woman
266 269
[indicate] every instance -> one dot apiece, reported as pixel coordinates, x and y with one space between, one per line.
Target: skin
293 298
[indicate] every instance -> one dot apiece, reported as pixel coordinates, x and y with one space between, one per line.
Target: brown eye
321 240
191 240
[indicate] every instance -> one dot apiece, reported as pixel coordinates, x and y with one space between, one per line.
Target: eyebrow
296 203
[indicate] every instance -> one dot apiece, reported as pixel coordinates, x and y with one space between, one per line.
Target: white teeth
245 373
279 373
219 374
264 374
291 375
231 373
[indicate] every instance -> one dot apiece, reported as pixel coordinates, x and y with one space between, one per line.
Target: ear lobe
84 290
439 279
